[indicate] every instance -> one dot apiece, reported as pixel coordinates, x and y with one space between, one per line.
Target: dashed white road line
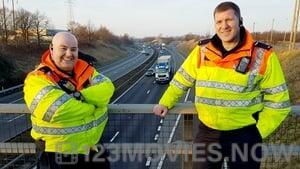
159 128
148 91
114 137
148 162
156 137
161 121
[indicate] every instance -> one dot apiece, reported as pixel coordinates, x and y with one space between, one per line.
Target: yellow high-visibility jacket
226 99
67 125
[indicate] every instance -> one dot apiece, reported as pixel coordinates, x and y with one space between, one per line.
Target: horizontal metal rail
180 108
12 88
179 148
17 148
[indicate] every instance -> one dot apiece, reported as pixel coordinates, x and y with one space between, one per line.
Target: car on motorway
150 72
145 52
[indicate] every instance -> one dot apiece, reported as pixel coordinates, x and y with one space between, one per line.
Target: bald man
63 58
68 101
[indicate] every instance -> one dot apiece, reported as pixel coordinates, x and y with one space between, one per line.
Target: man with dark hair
241 96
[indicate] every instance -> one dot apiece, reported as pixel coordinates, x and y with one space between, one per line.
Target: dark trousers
50 160
241 148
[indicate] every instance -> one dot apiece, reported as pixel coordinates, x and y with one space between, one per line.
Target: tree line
22 27
88 35
19 30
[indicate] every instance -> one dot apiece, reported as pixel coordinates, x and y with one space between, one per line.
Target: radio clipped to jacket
69 88
242 67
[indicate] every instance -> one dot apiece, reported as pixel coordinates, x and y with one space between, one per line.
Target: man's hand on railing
160 110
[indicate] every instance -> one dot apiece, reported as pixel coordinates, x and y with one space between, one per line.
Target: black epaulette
262 45
45 69
204 41
88 58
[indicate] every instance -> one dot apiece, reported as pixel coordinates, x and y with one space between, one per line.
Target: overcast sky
140 18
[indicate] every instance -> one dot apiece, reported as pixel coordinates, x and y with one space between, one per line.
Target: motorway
139 128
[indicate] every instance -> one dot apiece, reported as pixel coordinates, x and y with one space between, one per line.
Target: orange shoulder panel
83 71
264 63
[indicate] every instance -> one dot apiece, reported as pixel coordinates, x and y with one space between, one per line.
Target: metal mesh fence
288 134
142 140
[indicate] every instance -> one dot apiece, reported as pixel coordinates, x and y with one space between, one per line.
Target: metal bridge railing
138 139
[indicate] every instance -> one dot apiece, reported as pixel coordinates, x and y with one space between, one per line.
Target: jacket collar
81 72
244 48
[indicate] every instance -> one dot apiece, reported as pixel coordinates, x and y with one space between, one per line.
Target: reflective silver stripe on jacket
39 96
186 75
277 89
238 88
229 103
99 79
179 85
52 108
278 105
226 86
69 130
255 69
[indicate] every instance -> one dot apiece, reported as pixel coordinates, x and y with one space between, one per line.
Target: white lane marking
187 95
15 118
160 164
16 100
159 128
148 162
148 91
127 90
154 82
161 121
174 128
113 138
156 137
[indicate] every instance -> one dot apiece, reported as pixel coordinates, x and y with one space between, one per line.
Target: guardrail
168 137
11 90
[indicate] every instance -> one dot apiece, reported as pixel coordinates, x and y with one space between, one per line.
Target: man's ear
241 21
51 48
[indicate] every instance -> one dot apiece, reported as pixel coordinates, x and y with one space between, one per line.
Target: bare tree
4 35
90 32
105 35
24 23
1 25
40 24
125 39
80 31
